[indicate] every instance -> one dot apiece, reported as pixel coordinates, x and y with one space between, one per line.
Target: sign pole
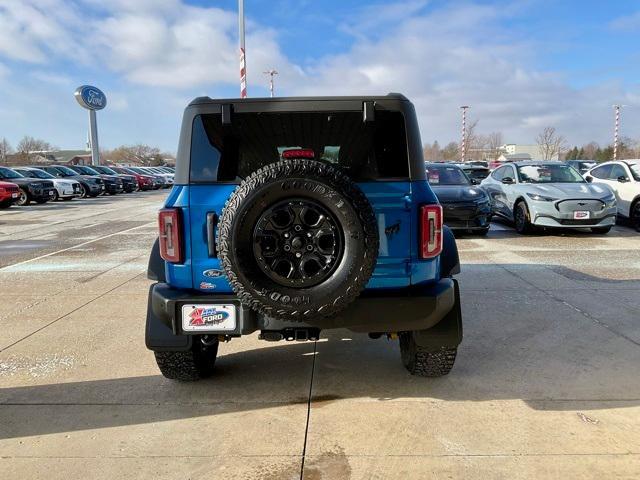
93 134
92 99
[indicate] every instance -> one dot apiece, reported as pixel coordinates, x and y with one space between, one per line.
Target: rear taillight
170 226
430 231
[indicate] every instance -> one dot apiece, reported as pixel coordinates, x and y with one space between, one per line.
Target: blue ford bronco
290 216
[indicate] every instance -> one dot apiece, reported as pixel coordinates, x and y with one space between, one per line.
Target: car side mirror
508 181
623 179
589 179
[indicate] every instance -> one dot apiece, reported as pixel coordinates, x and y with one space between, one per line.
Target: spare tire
298 240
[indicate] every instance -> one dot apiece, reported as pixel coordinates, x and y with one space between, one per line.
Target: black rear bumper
415 308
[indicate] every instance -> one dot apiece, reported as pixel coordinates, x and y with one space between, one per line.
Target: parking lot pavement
546 383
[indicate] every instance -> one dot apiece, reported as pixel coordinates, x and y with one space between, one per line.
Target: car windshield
35 173
66 171
8 173
446 175
106 170
87 170
548 173
635 171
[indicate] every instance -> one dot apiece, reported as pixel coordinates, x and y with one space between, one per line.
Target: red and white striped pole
243 62
615 132
463 145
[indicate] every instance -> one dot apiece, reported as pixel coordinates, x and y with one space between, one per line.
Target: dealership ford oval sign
90 97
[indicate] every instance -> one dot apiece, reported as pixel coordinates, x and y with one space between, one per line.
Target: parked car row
43 183
535 195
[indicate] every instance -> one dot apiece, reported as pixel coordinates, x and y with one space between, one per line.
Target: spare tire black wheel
298 240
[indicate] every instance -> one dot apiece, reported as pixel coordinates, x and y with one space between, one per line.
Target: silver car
549 194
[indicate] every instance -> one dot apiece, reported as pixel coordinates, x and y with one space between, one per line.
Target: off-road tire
188 366
56 196
601 230
423 363
523 226
314 181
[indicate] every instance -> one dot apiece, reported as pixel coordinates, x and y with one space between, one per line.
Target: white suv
624 179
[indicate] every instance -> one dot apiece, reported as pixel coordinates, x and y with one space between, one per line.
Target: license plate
198 317
14 195
581 215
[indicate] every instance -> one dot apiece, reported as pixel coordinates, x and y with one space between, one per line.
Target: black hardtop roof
359 98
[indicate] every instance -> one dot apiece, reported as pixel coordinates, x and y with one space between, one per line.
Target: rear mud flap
447 333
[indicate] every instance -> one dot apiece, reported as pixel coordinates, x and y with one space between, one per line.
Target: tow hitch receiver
290 334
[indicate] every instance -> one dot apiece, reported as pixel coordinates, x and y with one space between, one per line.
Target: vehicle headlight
540 198
34 185
609 199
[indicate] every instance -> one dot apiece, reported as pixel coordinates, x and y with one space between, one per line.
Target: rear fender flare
155 269
449 259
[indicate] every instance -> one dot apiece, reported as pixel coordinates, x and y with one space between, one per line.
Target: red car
145 182
9 193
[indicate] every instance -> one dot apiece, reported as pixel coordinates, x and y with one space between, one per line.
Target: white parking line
9 267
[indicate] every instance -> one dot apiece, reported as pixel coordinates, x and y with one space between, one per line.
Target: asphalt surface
546 384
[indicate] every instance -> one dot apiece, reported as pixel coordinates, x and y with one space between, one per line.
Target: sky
521 65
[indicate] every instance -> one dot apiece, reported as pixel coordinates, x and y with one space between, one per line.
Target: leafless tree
550 143
432 152
589 150
451 152
5 149
494 142
473 140
136 154
29 146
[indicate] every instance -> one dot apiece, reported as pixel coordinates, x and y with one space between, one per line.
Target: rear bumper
392 311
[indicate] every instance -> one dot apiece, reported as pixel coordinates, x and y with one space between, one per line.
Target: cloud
32 30
629 23
163 43
464 55
441 55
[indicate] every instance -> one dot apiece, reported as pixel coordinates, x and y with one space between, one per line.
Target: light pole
463 145
271 73
243 61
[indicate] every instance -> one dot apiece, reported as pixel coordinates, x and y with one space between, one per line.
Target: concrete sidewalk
546 383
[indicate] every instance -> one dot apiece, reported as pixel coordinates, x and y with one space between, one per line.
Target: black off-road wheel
423 363
522 218
188 366
298 240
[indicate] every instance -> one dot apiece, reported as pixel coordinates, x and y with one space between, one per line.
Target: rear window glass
366 151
